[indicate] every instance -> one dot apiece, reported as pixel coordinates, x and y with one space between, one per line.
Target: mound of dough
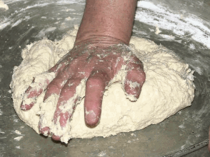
168 88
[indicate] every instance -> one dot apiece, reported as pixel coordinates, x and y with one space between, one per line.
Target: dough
3 6
168 88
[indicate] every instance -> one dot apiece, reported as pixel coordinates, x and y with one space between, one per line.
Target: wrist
98 40
108 21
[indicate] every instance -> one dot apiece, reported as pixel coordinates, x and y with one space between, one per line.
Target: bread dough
3 6
168 88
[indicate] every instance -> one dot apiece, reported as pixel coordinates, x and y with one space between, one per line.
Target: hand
97 65
96 60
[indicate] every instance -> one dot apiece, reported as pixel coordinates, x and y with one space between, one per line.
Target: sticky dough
168 88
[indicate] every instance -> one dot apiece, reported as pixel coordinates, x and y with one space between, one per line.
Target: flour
168 88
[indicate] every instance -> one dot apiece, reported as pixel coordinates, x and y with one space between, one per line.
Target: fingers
35 89
57 68
62 74
56 138
65 107
66 104
45 131
57 84
134 79
32 93
95 87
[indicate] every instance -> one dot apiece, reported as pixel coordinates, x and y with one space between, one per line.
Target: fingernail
56 138
91 119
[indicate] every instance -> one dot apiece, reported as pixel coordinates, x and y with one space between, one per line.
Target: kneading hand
96 59
97 65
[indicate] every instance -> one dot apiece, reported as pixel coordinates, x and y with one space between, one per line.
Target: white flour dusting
162 17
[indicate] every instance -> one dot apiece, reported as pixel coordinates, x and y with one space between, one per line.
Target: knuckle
95 80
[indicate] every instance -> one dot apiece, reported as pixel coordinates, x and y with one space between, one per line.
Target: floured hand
96 59
97 65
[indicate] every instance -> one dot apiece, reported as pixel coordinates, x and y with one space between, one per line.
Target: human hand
97 65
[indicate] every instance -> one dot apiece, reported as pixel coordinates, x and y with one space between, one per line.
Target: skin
95 58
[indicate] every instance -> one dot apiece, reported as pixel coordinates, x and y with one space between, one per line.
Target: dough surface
3 6
168 88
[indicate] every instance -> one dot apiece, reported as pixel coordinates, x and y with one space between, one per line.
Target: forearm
107 21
